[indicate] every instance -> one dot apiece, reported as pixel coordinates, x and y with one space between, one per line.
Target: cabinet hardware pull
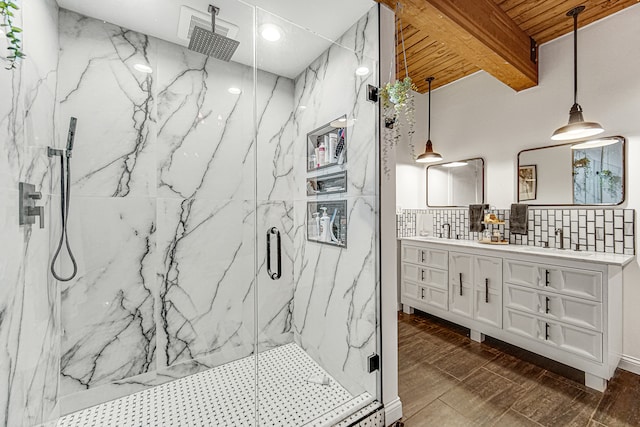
422 275
486 290
546 277
546 331
546 305
421 256
422 293
460 284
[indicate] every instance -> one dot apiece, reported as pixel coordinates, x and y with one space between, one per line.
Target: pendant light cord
575 57
429 121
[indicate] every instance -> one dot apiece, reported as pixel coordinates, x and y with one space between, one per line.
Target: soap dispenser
325 226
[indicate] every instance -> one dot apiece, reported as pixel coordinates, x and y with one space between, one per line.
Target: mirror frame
444 163
624 169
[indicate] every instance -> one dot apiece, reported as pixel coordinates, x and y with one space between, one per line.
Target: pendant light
429 156
577 127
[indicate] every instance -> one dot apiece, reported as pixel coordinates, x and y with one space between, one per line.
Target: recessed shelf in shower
327 145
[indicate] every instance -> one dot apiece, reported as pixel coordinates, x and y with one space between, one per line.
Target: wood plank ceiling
427 55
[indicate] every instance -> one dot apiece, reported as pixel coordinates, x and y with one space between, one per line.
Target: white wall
479 116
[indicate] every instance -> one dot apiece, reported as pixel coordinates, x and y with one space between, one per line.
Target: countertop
593 257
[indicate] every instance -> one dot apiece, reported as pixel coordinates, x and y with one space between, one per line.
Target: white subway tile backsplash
600 230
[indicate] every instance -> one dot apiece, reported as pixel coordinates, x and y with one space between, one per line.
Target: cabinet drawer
579 341
569 281
436 297
576 311
425 275
410 289
424 256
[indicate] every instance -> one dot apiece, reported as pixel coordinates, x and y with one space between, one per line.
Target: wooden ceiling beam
478 31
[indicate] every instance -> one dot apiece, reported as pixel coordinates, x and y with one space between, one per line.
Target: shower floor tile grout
225 396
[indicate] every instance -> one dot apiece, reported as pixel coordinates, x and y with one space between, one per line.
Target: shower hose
65 196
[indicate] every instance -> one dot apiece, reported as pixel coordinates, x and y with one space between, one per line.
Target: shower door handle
270 232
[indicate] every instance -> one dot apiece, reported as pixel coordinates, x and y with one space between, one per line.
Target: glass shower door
162 216
317 272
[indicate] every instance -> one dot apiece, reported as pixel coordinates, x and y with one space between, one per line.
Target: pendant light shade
429 156
576 128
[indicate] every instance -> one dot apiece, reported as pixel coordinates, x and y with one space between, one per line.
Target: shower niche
327 222
327 184
327 145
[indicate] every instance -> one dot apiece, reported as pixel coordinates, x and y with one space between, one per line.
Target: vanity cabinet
566 308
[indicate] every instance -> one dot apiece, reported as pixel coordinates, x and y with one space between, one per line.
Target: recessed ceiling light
234 90
143 68
362 71
270 32
302 107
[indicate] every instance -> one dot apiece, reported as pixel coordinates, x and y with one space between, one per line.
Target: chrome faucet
559 232
448 229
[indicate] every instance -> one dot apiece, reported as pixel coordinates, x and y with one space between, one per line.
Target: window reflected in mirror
456 184
585 173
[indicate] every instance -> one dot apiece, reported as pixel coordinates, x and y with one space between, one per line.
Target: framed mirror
579 173
456 184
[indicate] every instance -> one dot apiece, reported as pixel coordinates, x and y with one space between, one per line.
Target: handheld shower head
71 135
212 44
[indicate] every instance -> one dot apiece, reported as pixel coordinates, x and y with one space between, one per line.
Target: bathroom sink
556 251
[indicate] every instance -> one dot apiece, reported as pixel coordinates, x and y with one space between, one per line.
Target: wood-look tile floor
445 379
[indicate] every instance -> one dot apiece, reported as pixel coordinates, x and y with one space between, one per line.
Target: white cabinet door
461 284
487 276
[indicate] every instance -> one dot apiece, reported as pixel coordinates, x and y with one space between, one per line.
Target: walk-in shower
205 293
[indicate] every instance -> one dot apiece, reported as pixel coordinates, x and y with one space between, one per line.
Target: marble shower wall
29 303
163 213
335 297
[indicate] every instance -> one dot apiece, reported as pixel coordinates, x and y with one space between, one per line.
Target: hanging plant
397 101
7 9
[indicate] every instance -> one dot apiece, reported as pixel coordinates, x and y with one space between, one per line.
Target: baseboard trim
631 364
392 411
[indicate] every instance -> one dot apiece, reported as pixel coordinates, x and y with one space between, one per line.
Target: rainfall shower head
212 44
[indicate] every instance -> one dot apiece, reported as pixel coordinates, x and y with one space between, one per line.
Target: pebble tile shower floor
224 396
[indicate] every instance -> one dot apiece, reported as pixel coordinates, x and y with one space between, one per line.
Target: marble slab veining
335 312
29 304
